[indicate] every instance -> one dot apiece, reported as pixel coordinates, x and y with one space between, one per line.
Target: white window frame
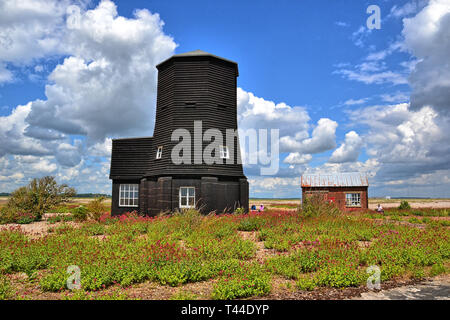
354 201
224 152
187 196
159 152
129 195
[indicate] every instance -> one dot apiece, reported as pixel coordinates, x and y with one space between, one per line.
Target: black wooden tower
192 87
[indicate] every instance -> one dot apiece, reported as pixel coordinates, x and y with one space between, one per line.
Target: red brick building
347 190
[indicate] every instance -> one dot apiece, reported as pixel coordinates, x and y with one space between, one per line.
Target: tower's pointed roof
196 53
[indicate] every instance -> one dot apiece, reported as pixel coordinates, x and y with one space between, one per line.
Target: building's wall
195 89
115 208
337 195
211 194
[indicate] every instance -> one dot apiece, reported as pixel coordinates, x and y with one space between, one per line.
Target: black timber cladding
196 86
129 158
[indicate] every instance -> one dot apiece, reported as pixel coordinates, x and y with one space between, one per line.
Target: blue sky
345 98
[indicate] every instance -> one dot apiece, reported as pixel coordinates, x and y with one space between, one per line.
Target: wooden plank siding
191 87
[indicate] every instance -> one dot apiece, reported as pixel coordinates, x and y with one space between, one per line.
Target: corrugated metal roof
345 179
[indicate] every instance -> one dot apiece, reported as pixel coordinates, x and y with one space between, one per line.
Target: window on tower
224 153
159 152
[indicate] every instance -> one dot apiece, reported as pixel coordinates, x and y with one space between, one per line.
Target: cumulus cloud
103 88
108 84
12 138
349 149
427 36
255 113
404 142
31 29
323 138
297 158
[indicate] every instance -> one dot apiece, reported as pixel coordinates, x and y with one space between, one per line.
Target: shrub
80 213
95 208
316 206
37 197
404 205
239 211
8 215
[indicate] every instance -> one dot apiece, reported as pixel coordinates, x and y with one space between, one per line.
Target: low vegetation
242 253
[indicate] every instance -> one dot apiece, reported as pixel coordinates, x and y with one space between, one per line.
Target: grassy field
277 254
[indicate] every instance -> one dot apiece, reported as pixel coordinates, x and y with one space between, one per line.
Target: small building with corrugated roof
348 191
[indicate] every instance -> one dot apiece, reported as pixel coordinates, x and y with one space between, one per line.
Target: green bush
80 213
316 206
404 205
36 198
95 208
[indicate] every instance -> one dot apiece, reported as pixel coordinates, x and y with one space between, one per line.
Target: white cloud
103 88
427 36
5 74
108 84
323 138
12 138
342 24
31 29
404 142
349 149
297 158
352 102
101 149
255 112
366 77
407 9
359 36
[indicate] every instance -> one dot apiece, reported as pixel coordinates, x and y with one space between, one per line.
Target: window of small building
129 195
224 153
187 197
353 199
159 152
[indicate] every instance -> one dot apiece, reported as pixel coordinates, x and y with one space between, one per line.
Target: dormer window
224 153
159 152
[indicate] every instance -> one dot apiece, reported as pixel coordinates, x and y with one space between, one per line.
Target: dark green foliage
80 213
404 205
316 206
35 199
